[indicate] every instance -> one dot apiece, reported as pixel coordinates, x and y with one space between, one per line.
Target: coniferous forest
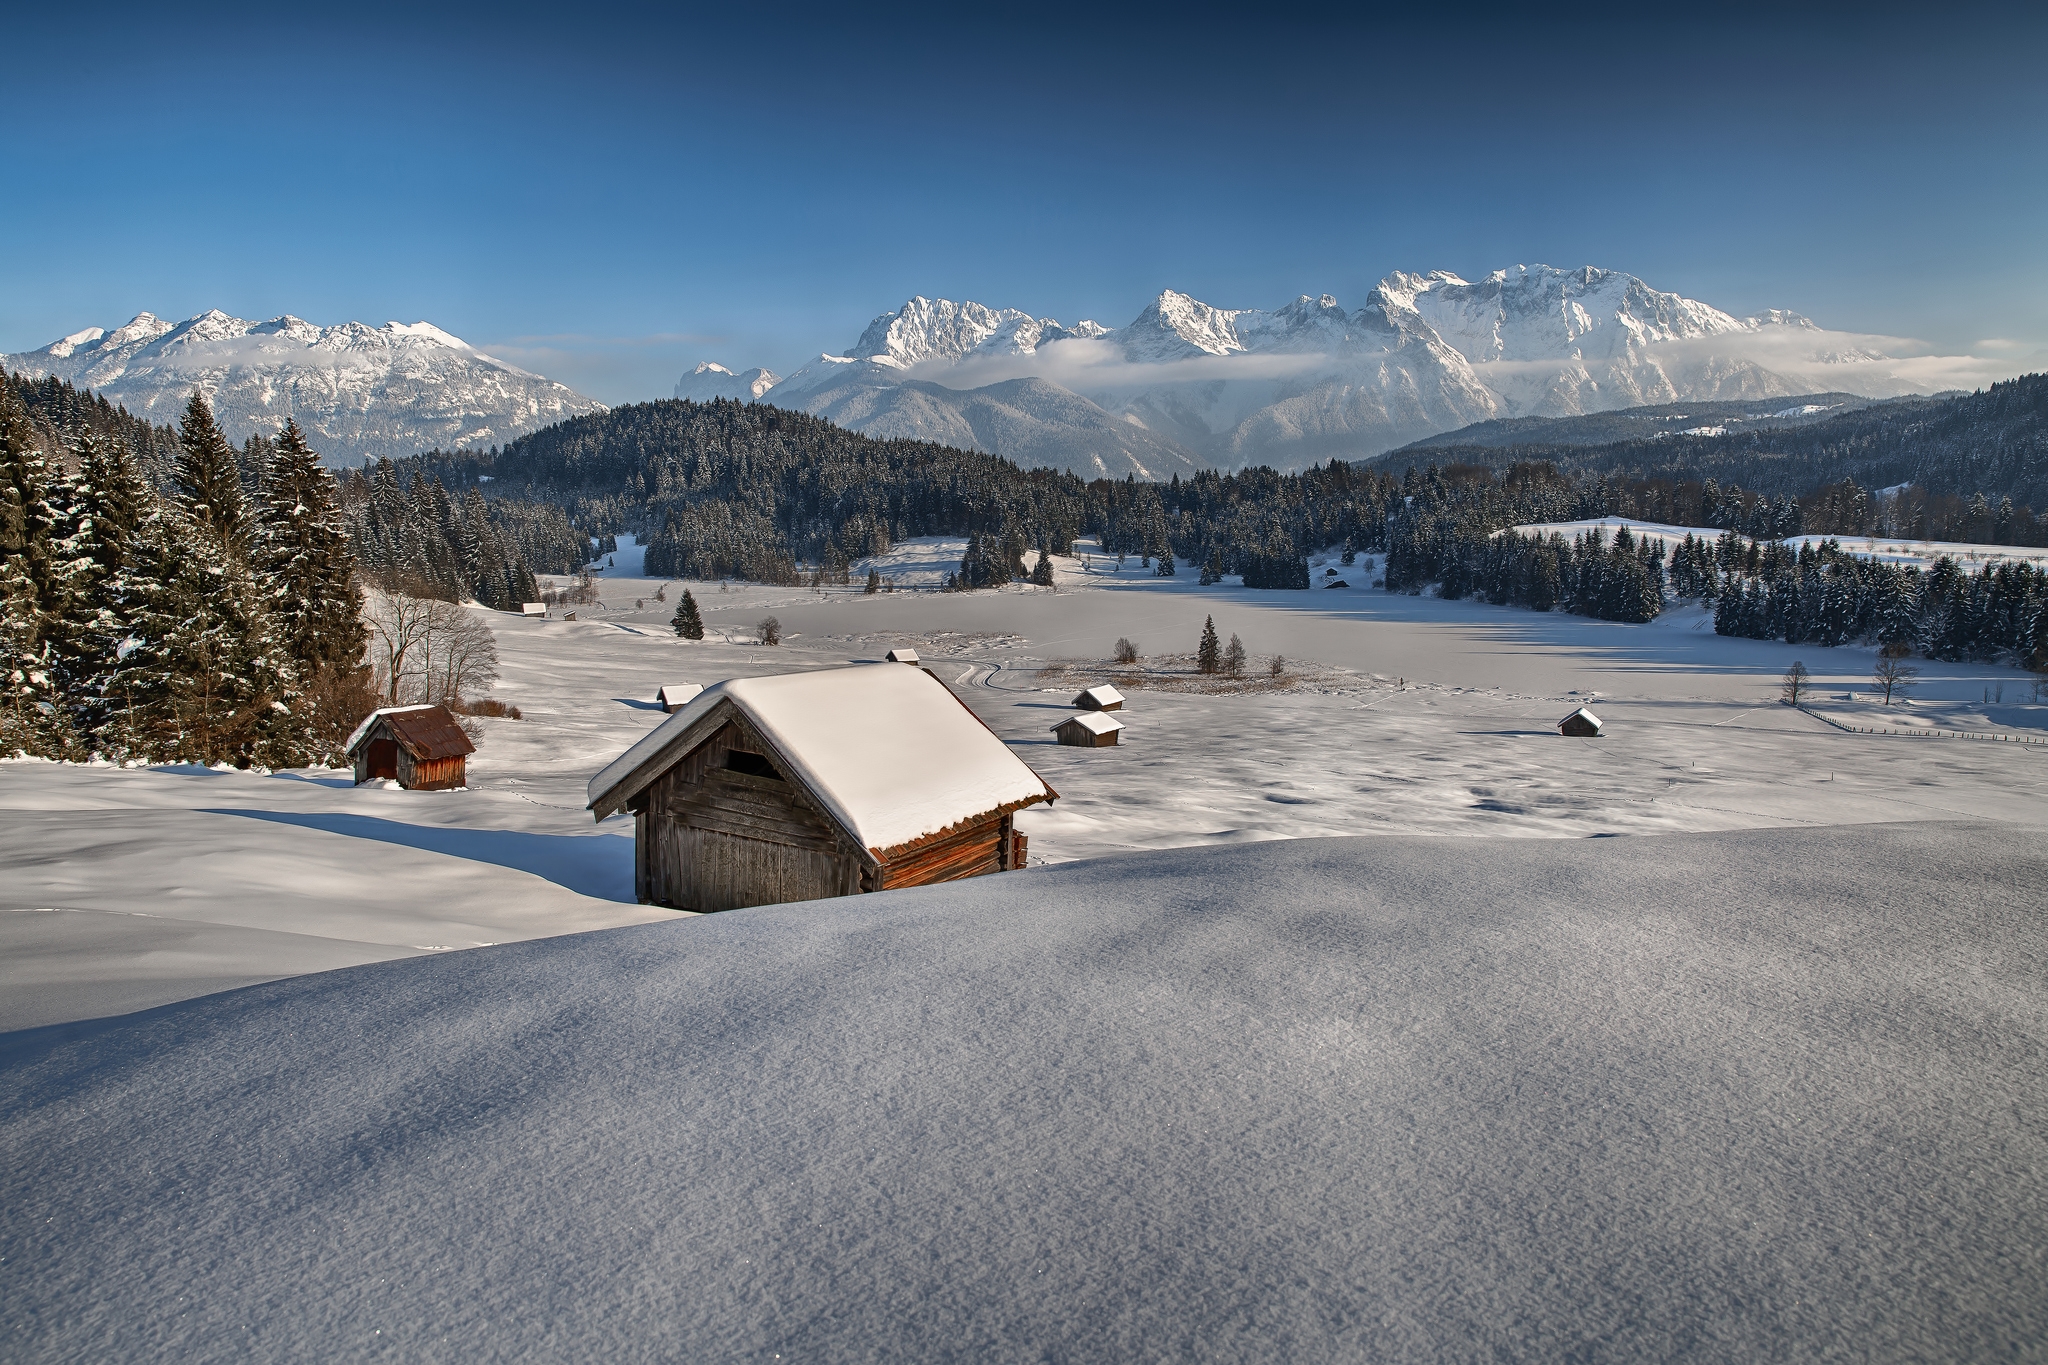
200 620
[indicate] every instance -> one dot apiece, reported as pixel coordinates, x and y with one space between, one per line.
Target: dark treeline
1977 465
198 623
55 410
1451 532
410 533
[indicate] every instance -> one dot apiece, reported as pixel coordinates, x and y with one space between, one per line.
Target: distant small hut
901 656
1582 723
422 748
533 609
808 785
676 696
1103 698
1088 730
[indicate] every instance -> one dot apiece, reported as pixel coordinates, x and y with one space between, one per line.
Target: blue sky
609 197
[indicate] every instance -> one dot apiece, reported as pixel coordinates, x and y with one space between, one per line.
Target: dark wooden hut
808 785
1581 723
1088 730
1100 698
675 696
422 748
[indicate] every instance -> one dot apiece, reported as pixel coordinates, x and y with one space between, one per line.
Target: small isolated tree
1209 655
688 621
771 631
1041 572
1126 651
1893 675
1233 658
1796 684
1279 667
874 582
1165 569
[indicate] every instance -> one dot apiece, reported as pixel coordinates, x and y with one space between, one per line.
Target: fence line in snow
1921 734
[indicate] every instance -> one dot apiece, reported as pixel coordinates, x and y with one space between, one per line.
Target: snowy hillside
1425 353
358 391
1758 1093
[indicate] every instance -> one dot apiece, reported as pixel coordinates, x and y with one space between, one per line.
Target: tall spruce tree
303 557
689 623
208 480
32 719
1209 655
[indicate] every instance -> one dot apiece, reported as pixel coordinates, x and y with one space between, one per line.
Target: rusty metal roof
425 731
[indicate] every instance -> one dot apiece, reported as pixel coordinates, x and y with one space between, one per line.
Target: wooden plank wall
968 852
431 774
714 839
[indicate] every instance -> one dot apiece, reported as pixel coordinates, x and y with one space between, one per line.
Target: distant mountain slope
1230 388
1031 421
1651 422
1994 442
358 391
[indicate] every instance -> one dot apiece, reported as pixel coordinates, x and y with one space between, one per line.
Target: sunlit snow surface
1762 1095
1434 718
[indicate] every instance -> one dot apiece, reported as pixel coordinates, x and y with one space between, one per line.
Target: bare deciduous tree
771 631
426 650
1893 675
1796 683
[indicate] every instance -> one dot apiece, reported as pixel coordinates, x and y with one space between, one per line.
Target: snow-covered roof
356 736
675 694
533 609
1582 711
1103 695
1094 722
902 656
889 752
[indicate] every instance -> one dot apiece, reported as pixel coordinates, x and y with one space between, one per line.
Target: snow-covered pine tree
31 710
304 562
1041 572
689 623
208 481
307 574
223 679
1209 655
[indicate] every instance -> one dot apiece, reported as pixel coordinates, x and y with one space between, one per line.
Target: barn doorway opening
383 759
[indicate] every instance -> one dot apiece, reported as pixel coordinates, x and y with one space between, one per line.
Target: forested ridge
1975 462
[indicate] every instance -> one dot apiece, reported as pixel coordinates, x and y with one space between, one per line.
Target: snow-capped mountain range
1186 385
358 391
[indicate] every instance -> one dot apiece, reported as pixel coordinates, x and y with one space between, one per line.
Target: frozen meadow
1409 715
1481 1085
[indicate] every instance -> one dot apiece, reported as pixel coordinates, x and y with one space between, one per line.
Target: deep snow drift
1740 1096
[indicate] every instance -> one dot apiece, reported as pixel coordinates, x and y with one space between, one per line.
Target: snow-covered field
1913 554
125 889
1763 1095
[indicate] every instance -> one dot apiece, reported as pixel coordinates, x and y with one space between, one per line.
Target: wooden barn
676 696
422 748
1088 730
1581 723
901 656
533 609
807 785
1103 698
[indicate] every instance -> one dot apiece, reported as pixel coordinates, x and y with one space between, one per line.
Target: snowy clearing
1408 715
1767 1094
